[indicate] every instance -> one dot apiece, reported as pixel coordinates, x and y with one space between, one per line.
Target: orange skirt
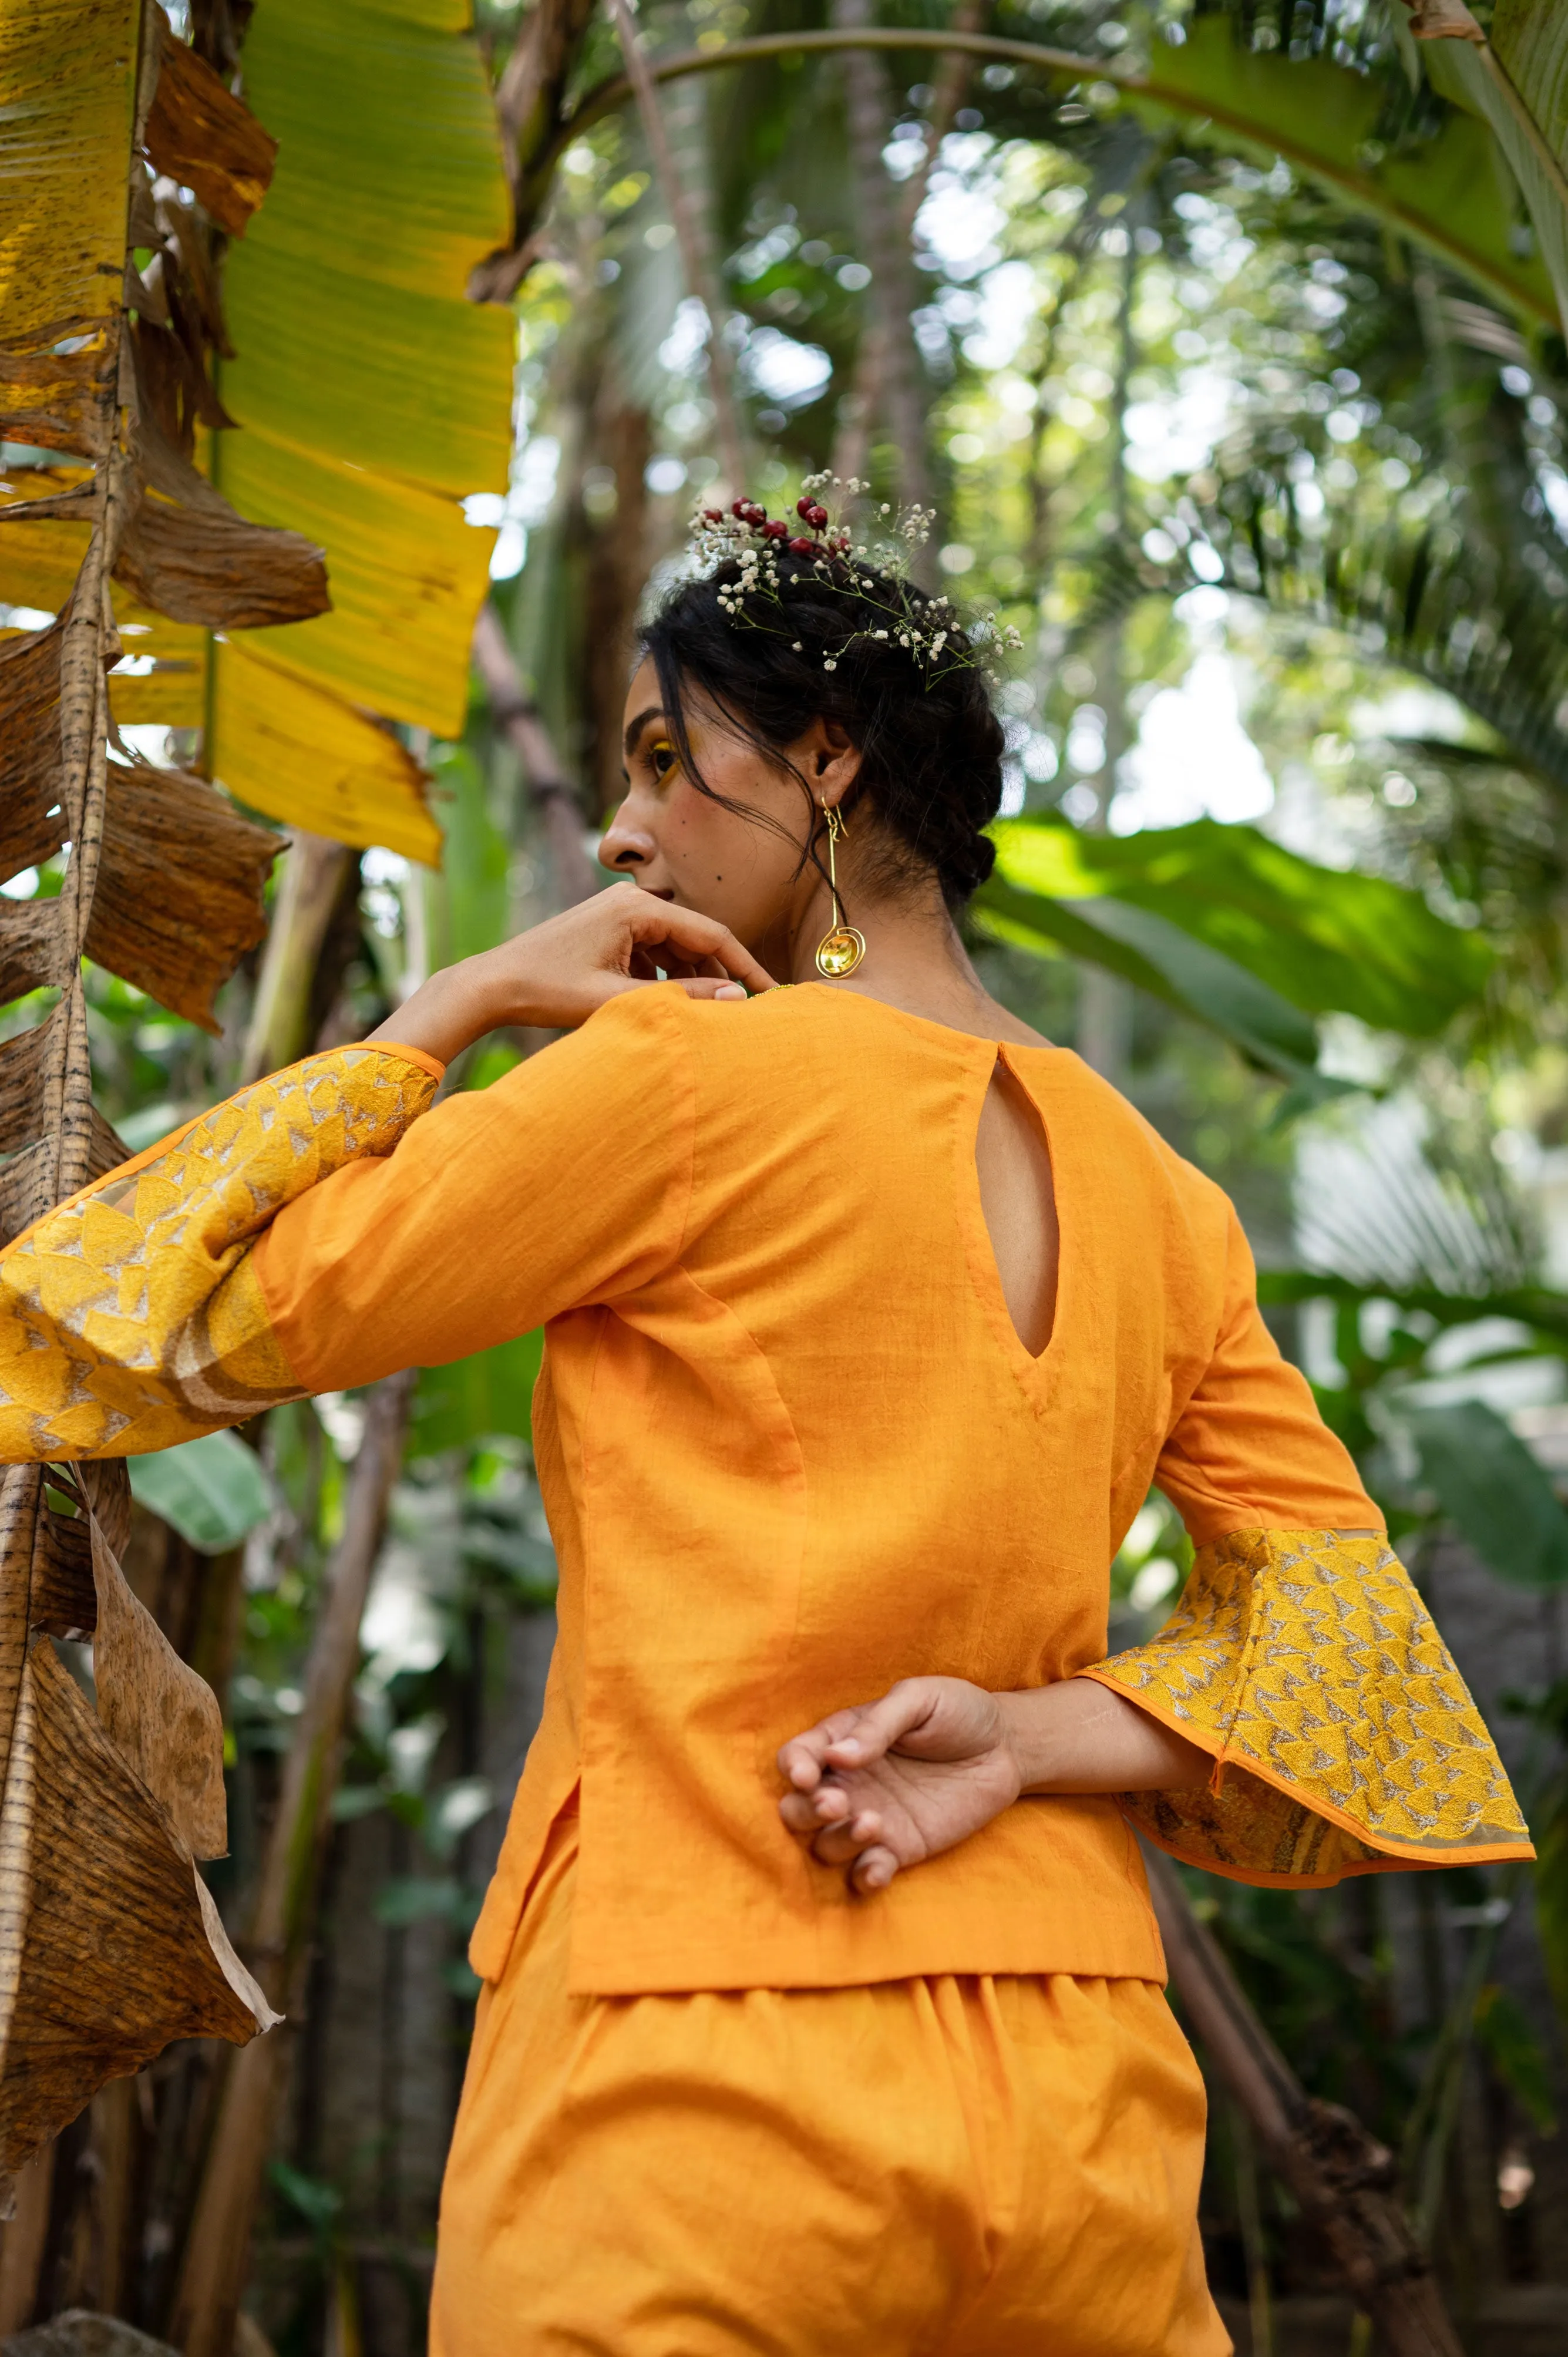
942 2168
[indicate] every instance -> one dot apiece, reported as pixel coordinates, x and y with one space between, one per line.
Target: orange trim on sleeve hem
431 1064
1397 1852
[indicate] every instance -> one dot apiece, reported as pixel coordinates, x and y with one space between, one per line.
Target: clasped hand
887 1784
890 1783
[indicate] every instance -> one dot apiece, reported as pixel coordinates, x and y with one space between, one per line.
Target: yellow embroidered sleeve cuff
130 1316
1345 1741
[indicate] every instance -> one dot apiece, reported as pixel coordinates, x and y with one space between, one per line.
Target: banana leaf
1146 949
1493 1491
1448 193
1529 41
1315 938
214 1491
370 399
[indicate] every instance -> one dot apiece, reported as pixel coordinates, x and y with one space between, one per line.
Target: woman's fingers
873 1870
688 937
800 1761
877 1727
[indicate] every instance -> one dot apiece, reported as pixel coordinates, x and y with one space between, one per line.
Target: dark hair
930 741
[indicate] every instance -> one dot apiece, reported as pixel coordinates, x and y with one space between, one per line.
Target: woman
822 2002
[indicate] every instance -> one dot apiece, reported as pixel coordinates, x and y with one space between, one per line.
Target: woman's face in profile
741 865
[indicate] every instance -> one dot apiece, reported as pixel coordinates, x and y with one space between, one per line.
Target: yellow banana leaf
304 756
370 397
62 220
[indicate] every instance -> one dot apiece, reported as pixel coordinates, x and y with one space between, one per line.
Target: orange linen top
792 1450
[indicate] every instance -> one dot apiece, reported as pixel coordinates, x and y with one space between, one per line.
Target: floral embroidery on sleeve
130 1317
1345 1740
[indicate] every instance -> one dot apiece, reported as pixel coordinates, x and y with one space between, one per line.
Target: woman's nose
625 845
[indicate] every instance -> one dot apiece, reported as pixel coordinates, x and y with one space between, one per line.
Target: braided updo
826 645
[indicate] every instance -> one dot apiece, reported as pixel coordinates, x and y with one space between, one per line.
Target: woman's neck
914 960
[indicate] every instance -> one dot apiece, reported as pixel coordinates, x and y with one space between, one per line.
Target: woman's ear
834 756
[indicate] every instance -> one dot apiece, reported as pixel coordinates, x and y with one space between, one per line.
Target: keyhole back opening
1017 1198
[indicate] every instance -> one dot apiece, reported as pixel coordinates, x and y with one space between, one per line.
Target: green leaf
417 1898
1529 43
1537 1306
490 1393
1515 2053
213 1490
374 397
1493 1491
1317 937
1146 949
1446 193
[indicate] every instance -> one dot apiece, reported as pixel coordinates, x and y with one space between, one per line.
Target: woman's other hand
889 1783
886 1784
552 977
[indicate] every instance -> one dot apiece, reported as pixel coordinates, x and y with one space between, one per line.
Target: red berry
713 515
816 518
804 507
776 530
740 509
754 514
804 547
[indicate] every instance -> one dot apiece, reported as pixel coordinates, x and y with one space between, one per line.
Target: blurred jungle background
1224 338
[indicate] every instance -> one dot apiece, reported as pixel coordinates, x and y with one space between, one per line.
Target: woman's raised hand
888 1783
553 976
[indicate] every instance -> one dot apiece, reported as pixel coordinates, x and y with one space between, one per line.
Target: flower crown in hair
928 628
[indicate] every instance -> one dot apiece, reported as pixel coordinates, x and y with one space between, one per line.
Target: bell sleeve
1343 1739
327 1227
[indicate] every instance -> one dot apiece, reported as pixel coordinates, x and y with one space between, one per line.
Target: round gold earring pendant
840 951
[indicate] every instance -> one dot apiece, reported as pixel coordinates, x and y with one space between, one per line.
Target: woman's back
794 1448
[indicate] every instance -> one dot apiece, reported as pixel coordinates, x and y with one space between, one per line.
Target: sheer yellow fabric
130 1317
1345 1740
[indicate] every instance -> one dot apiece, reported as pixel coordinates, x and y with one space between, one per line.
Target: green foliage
214 1491
1442 191
1320 938
473 1398
1492 1489
1145 948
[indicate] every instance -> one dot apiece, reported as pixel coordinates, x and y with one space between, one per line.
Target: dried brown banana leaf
64 1598
64 1594
164 1718
187 552
36 491
178 898
32 825
45 1076
109 1945
59 401
202 136
34 951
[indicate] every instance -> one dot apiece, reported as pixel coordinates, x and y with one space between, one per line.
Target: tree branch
1341 2176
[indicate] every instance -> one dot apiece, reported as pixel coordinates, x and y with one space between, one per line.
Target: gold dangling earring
841 947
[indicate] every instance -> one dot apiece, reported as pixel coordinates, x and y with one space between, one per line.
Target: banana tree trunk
516 715
310 890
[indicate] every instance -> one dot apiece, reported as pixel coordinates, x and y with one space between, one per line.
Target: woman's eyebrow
635 728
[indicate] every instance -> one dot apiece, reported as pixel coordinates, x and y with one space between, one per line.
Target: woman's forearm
1079 1736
